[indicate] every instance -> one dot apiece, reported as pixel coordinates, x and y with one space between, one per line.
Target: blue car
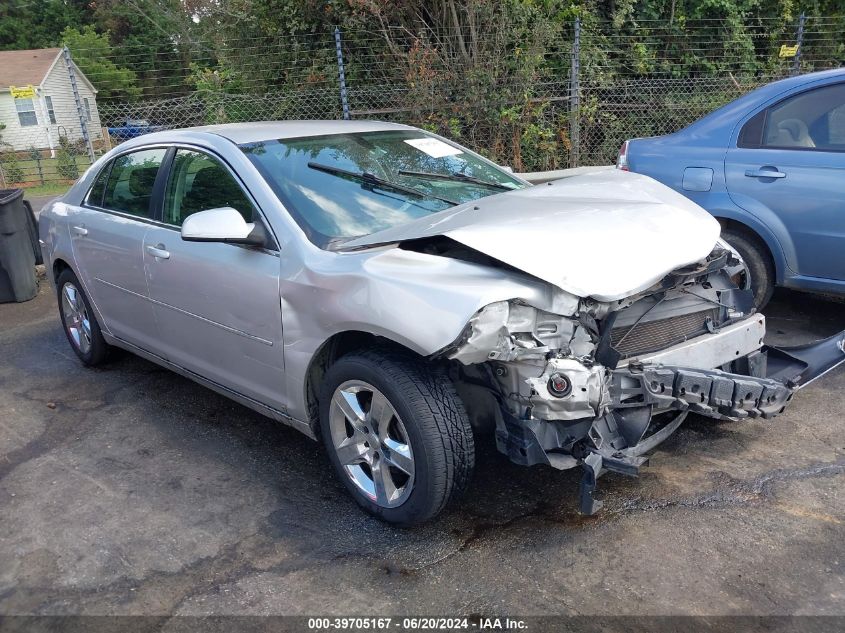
130 128
771 167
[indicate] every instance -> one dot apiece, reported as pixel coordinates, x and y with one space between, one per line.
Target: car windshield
346 185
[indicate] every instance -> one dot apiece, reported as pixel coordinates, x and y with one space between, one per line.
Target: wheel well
329 352
59 266
751 235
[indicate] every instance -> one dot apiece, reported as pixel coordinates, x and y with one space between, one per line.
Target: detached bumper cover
798 366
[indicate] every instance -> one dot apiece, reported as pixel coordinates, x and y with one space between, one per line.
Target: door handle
79 230
158 251
765 173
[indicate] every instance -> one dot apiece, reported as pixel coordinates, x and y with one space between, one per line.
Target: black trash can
32 225
17 257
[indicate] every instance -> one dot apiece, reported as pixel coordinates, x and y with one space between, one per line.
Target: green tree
156 39
93 54
26 24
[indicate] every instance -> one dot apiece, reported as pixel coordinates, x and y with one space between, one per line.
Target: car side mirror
221 225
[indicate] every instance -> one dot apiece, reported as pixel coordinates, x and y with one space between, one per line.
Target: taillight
622 160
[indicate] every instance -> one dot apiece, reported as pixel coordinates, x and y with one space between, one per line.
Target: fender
396 294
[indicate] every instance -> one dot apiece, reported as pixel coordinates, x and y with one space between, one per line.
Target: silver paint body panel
249 322
605 235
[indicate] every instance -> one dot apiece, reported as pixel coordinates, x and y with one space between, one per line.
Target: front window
198 182
26 112
343 186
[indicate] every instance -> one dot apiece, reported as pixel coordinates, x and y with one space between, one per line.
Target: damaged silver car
400 297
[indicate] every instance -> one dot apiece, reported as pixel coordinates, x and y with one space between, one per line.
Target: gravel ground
130 490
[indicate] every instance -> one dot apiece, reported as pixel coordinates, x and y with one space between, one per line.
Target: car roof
241 133
782 85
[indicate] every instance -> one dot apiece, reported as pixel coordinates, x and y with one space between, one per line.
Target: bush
9 164
12 170
66 159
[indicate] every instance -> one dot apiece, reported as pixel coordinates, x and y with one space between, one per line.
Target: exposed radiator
652 336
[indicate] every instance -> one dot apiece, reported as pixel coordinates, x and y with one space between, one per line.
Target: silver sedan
397 296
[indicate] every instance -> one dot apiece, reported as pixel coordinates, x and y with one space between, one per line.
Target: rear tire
759 264
78 320
422 436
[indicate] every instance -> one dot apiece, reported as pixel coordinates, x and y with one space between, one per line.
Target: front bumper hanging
618 440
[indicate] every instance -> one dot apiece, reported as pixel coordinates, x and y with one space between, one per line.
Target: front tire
397 434
78 320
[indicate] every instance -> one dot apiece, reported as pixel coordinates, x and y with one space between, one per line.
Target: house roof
22 68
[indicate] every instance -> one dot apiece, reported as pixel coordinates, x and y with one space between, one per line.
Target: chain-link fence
534 99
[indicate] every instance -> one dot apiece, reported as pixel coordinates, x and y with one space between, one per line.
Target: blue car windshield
343 186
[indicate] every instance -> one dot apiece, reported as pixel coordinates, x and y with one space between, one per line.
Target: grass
47 189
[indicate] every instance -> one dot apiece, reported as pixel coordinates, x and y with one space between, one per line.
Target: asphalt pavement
130 490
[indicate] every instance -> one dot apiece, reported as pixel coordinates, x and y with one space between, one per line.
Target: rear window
95 195
752 132
129 188
810 120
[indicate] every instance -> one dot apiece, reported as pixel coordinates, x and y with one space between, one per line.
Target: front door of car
107 233
789 161
217 305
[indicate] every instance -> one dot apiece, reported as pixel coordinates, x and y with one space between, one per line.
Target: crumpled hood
606 235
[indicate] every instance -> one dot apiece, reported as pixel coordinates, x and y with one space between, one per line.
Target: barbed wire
509 100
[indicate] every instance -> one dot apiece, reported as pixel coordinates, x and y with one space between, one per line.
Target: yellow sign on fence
27 92
788 51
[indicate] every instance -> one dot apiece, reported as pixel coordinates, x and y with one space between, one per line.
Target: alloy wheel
76 319
372 443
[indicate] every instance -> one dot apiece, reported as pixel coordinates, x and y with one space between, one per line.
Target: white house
37 104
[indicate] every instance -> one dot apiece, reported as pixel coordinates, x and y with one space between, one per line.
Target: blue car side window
810 120
751 134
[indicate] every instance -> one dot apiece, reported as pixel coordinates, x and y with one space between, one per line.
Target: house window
50 111
26 112
87 107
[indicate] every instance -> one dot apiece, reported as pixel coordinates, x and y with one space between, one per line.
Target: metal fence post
340 74
575 97
796 62
80 111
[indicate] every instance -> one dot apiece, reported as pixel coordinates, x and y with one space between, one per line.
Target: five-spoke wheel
397 433
372 443
80 324
75 313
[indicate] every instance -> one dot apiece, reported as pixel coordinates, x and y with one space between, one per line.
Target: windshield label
434 147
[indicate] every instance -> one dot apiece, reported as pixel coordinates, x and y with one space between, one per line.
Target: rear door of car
107 233
787 164
217 305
